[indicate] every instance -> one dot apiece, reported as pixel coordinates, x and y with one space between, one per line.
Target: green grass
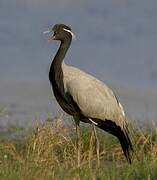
50 152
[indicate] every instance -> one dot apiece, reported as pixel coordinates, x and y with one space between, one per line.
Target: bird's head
61 32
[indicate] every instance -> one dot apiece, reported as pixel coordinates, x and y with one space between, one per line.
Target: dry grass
49 152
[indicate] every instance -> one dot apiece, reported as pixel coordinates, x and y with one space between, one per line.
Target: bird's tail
126 145
122 135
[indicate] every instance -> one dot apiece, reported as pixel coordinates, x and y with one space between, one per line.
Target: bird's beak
52 36
46 32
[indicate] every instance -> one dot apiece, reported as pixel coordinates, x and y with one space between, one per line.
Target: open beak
52 36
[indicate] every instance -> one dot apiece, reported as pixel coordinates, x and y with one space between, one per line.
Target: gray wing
95 99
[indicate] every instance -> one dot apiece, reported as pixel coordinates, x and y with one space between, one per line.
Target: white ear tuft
73 35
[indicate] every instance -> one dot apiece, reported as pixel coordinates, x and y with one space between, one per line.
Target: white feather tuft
93 121
73 35
121 107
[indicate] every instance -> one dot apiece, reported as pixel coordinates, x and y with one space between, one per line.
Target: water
116 42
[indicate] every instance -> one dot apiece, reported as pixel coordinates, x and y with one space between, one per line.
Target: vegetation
50 152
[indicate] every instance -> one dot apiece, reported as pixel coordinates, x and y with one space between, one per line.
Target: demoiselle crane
83 96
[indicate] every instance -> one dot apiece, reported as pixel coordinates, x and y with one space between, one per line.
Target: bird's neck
59 57
56 72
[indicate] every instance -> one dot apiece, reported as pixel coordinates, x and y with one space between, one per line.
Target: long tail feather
122 134
126 145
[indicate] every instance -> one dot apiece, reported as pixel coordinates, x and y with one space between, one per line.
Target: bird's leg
96 144
78 141
91 148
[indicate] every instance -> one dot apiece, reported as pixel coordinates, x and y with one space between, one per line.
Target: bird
83 96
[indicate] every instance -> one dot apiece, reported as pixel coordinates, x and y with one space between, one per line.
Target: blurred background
116 42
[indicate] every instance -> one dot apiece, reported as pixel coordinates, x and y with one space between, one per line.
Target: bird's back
94 98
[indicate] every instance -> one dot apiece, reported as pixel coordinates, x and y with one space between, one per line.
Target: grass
49 152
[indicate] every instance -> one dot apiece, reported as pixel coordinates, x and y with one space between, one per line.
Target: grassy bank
49 152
